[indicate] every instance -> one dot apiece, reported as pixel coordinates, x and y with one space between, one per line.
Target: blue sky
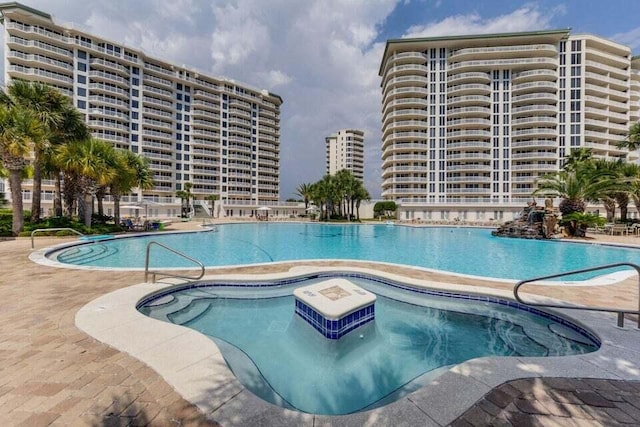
322 56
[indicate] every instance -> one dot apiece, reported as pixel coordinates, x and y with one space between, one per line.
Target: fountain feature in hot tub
335 307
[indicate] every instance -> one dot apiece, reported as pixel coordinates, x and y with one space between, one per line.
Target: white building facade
345 150
470 122
221 136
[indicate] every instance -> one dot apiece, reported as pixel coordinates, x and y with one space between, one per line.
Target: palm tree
132 172
304 191
632 141
89 164
185 196
577 157
360 195
20 132
577 188
73 128
46 104
629 174
212 202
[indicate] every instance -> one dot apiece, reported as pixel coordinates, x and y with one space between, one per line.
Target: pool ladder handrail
154 273
53 229
619 311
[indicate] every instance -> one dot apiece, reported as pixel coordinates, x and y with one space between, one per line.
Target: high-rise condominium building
221 136
345 150
470 122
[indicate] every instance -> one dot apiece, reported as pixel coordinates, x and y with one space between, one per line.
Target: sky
321 56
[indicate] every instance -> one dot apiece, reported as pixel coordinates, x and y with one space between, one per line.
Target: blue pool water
461 250
414 335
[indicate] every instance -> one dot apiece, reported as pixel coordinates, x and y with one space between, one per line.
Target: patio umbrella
264 208
134 207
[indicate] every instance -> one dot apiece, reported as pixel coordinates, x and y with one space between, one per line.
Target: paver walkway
53 374
557 402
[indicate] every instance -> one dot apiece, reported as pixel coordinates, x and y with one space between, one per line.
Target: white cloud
276 78
630 38
321 56
522 19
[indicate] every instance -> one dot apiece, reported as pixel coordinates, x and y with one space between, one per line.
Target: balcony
159 113
111 89
535 131
478 77
504 51
469 145
109 113
108 77
36 59
157 91
157 102
38 45
534 75
535 87
469 111
44 75
469 156
107 100
157 80
503 63
469 99
470 88
471 134
110 65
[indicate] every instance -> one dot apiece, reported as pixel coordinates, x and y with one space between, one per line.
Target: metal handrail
53 229
153 273
620 312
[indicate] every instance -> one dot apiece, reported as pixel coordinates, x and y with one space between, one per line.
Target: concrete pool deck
53 373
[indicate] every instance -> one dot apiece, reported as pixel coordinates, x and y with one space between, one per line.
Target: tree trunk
57 196
116 208
99 198
610 208
37 188
15 182
80 201
88 209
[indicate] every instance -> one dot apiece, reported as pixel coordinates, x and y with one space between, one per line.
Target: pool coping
193 365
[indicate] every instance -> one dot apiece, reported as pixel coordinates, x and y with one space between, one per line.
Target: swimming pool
469 251
416 334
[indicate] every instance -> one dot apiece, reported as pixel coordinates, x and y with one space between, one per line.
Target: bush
386 209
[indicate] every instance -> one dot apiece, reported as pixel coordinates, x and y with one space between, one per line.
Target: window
82 66
134 115
134 126
82 91
82 54
82 79
134 104
82 104
135 81
135 92
134 137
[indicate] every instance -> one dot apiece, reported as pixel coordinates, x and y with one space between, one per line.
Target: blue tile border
335 329
387 282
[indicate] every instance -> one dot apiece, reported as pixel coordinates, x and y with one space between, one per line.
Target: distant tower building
345 150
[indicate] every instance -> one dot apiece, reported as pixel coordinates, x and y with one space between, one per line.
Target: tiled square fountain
335 307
